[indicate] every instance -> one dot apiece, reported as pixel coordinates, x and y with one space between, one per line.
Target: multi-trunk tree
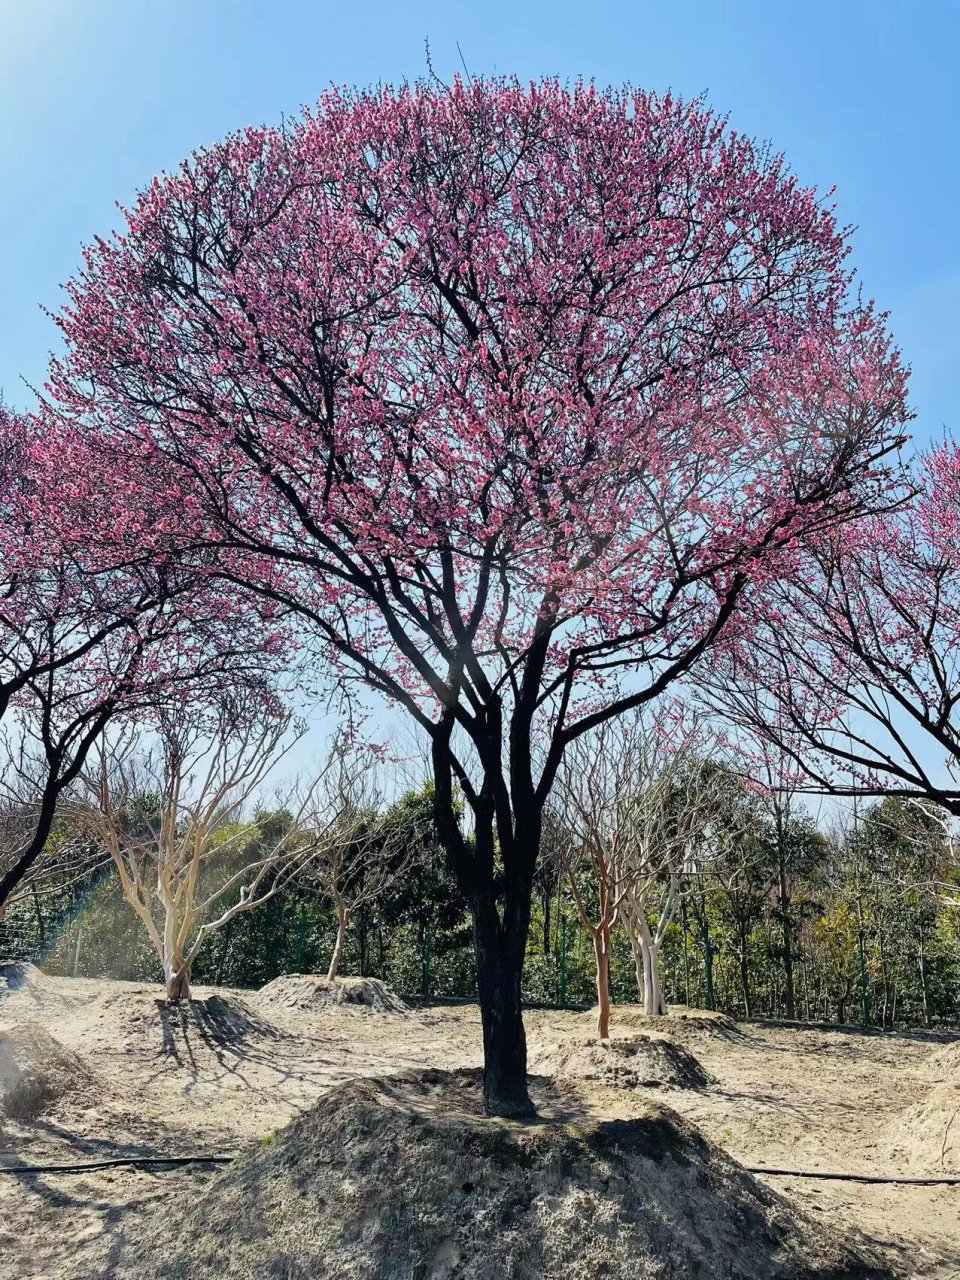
508 393
634 805
175 820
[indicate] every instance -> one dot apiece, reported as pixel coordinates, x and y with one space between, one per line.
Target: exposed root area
679 1023
185 1032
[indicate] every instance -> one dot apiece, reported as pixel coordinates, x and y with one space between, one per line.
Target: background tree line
855 919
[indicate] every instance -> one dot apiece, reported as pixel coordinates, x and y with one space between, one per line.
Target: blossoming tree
509 393
98 621
851 676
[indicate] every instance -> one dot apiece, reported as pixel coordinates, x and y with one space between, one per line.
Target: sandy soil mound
632 1062
36 1071
679 1023
944 1062
309 991
704 1021
20 976
925 1138
188 1031
403 1176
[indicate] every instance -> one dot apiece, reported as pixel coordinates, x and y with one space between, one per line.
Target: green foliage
883 890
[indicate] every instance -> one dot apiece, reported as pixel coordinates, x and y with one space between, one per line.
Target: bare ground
228 1072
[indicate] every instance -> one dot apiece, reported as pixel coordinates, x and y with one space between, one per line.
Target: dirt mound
20 976
403 1177
925 1138
633 1062
944 1062
310 991
678 1022
185 1031
36 1071
705 1021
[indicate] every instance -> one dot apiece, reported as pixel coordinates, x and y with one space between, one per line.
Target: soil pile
20 976
187 1032
680 1024
704 1021
925 1138
633 1062
36 1071
944 1063
403 1177
308 991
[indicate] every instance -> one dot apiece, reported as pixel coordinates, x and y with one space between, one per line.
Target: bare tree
633 798
587 823
172 818
358 855
670 800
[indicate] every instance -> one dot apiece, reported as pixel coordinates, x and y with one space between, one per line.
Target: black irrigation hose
150 1161
22 1169
852 1177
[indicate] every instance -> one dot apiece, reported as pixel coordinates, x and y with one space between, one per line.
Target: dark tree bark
495 872
499 955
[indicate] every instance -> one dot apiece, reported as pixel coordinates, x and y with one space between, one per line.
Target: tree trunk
499 952
178 983
790 998
885 978
500 907
639 967
745 977
364 958
923 982
601 951
649 981
654 1005
343 919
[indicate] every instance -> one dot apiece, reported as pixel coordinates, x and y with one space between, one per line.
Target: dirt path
232 1071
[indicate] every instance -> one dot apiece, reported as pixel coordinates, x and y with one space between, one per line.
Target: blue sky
96 96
